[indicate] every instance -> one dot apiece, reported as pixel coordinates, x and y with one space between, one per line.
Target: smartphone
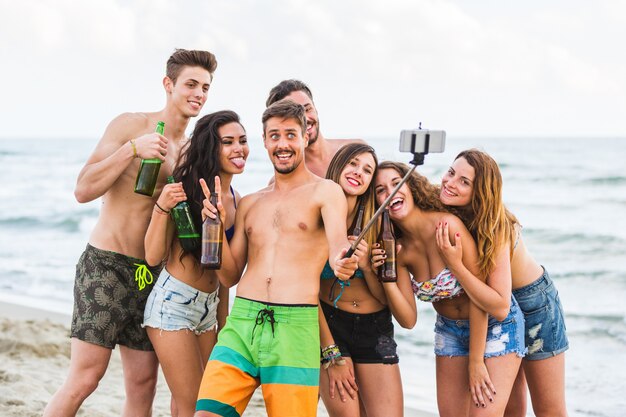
422 141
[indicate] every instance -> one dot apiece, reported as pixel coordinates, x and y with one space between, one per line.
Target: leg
380 388
140 378
453 397
546 383
88 363
181 358
502 371
516 407
334 406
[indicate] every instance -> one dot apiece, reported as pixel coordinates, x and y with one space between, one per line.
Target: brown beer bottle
149 171
387 241
212 239
357 224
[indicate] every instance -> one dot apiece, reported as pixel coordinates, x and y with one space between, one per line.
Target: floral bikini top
443 286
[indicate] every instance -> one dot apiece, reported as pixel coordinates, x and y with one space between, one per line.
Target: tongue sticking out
238 162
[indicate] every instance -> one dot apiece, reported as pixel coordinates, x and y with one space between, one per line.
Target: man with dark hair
112 280
285 233
320 150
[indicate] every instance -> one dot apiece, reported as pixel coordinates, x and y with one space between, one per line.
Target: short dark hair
189 58
286 87
286 109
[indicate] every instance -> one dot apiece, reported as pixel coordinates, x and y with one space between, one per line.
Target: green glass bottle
188 237
387 240
149 171
212 239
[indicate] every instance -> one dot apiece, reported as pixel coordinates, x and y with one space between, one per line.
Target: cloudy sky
475 68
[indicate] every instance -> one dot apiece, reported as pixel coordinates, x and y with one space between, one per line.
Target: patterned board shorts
110 293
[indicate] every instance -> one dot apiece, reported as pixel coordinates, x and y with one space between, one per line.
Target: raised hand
361 251
452 254
208 210
345 267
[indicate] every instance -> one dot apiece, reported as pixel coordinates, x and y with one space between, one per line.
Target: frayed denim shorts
545 324
174 305
503 337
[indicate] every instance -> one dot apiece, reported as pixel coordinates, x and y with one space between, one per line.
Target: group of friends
307 321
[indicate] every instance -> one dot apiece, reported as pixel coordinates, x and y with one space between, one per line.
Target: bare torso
319 154
287 245
125 215
421 257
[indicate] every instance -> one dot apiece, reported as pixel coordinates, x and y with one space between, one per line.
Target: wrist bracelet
162 209
132 144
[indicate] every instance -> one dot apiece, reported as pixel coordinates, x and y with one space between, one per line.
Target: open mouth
239 162
353 182
396 204
283 156
446 191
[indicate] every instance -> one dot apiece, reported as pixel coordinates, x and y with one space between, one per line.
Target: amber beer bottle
149 171
357 224
212 238
188 237
386 239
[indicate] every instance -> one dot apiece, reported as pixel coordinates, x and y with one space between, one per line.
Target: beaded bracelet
331 355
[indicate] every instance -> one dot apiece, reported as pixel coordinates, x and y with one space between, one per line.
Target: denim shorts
174 305
545 325
507 336
365 338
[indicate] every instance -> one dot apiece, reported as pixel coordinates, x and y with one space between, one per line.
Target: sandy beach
34 359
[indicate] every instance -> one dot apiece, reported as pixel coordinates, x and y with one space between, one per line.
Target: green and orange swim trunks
272 345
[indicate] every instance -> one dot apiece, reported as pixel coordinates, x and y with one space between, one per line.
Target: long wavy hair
201 159
342 158
486 217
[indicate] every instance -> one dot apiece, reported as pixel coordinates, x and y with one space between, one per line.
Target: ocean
569 194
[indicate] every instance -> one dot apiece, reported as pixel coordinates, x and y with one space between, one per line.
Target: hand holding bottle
208 209
151 146
171 195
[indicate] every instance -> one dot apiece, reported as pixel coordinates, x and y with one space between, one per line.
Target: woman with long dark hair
187 306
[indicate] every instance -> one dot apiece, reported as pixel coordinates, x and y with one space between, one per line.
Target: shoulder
127 125
327 188
337 144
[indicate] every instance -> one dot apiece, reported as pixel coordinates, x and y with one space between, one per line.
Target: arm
334 209
235 252
160 231
479 381
371 279
399 294
341 376
222 307
114 153
494 297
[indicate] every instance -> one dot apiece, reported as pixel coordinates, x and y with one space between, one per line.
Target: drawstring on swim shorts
265 314
141 273
343 285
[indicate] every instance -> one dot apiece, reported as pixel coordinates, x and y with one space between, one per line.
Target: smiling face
402 203
285 143
457 184
234 148
189 93
357 175
312 121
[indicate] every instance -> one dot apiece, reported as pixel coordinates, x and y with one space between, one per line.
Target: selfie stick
418 159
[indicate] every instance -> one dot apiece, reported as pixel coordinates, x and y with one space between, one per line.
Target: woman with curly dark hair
183 313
